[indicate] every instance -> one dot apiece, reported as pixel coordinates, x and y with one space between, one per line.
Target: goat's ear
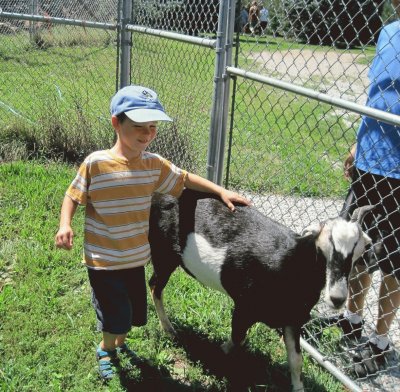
312 230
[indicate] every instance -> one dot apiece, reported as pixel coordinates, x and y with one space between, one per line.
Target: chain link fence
288 142
299 85
56 79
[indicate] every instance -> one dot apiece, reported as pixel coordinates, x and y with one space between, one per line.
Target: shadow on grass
242 370
146 377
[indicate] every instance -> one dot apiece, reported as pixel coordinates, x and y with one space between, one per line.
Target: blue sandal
106 366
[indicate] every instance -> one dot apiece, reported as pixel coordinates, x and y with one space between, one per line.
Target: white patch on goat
344 236
204 261
337 290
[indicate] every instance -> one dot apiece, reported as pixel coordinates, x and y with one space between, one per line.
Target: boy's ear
115 122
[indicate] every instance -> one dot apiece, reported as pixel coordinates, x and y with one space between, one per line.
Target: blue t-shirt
378 143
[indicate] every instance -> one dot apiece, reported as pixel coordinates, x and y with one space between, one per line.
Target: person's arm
349 162
65 235
201 184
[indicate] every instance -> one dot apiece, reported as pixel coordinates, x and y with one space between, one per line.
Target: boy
116 186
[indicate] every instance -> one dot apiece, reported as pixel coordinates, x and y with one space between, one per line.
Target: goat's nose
337 301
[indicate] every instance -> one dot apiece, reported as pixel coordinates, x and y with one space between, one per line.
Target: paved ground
336 73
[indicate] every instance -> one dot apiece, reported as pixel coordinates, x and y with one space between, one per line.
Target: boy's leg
120 340
112 341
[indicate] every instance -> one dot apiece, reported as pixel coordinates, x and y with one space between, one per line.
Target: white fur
344 237
204 261
338 290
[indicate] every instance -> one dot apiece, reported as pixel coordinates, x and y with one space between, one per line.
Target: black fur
272 274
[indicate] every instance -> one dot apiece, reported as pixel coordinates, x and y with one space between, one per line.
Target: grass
47 325
61 108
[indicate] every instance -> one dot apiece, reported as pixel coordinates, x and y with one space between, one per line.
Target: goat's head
341 243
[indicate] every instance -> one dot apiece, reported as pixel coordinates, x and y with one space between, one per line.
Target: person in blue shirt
374 168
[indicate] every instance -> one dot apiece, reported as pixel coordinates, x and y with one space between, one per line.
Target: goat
273 275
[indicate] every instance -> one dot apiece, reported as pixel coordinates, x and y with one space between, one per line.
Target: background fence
271 112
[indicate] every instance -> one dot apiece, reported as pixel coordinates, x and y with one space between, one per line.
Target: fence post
32 24
216 110
125 43
230 27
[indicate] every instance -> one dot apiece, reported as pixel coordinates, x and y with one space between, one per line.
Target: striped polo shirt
117 195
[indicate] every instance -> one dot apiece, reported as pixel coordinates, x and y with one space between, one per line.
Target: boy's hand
229 197
64 238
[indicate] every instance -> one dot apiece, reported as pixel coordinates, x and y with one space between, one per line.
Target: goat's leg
291 336
156 287
240 324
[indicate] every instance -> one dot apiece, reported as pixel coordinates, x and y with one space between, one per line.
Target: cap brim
147 115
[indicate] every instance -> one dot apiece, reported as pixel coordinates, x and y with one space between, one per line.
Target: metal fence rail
270 108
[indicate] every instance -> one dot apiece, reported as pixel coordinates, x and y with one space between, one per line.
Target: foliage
338 22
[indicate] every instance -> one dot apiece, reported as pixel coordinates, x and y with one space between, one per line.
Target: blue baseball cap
139 103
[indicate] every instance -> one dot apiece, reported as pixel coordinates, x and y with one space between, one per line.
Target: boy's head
140 104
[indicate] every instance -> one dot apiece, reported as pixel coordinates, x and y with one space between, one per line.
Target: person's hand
64 238
349 164
229 197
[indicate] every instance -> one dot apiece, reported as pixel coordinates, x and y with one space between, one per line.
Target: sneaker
369 359
107 361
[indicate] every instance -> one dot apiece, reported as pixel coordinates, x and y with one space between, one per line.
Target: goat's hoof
227 347
170 331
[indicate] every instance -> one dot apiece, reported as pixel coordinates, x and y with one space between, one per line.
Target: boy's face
134 137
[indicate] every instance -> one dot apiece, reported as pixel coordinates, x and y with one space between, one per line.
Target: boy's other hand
64 238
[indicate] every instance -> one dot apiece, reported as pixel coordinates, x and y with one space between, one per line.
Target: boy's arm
198 183
65 235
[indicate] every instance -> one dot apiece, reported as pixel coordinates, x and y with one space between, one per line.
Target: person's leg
112 341
389 302
359 283
120 340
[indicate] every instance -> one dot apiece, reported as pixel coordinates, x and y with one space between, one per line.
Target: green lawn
281 143
47 325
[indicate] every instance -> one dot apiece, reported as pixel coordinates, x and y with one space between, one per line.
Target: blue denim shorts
119 298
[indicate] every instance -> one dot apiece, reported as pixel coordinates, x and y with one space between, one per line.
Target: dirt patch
338 74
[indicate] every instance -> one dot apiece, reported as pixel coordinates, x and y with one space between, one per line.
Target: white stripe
122 202
151 155
98 156
97 253
124 209
116 236
121 266
117 229
170 182
124 182
80 183
118 175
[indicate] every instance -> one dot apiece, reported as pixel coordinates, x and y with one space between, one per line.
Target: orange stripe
120 245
